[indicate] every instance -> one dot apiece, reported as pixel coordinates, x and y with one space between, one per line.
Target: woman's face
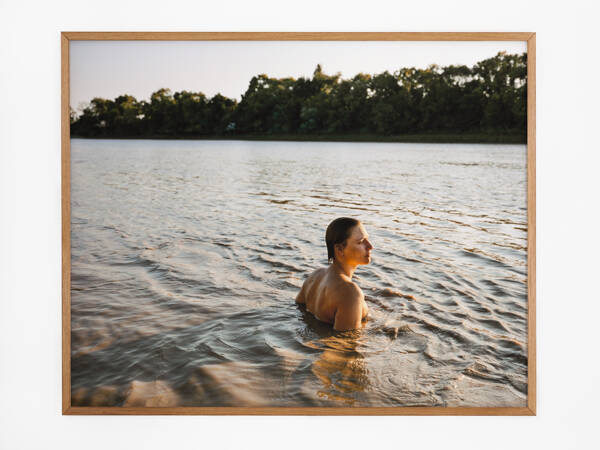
358 248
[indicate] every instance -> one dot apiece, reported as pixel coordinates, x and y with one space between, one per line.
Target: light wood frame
529 410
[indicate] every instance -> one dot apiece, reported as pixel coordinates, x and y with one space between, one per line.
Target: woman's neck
343 268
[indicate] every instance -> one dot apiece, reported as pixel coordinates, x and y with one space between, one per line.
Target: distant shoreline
467 138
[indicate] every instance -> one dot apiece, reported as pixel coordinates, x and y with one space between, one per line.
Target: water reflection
187 255
340 367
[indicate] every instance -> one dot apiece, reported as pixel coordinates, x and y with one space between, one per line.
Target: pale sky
108 69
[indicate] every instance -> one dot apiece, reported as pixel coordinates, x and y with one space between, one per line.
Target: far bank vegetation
485 103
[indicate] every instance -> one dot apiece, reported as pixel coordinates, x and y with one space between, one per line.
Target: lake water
187 257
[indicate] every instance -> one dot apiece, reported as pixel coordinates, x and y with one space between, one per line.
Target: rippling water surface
187 257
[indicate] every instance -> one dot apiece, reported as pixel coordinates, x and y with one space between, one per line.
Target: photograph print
297 226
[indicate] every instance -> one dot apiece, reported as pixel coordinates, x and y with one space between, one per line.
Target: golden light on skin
357 251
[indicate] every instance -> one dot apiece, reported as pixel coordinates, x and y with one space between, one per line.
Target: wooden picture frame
69 409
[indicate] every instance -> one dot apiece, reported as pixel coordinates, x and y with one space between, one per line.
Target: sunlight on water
187 256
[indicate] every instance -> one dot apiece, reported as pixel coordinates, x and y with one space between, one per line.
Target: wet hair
338 232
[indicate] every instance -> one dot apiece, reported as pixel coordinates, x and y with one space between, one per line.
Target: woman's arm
348 315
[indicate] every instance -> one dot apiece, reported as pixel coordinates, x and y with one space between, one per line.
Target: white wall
567 209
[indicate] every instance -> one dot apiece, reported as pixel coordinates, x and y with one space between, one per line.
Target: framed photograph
298 223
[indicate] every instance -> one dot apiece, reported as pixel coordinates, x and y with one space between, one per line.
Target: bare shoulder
349 293
312 278
317 273
349 313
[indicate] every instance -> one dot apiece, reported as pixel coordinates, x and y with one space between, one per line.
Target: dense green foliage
487 99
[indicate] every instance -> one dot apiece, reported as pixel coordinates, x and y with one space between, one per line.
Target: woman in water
329 293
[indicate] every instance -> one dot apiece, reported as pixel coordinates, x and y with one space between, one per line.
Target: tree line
488 98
